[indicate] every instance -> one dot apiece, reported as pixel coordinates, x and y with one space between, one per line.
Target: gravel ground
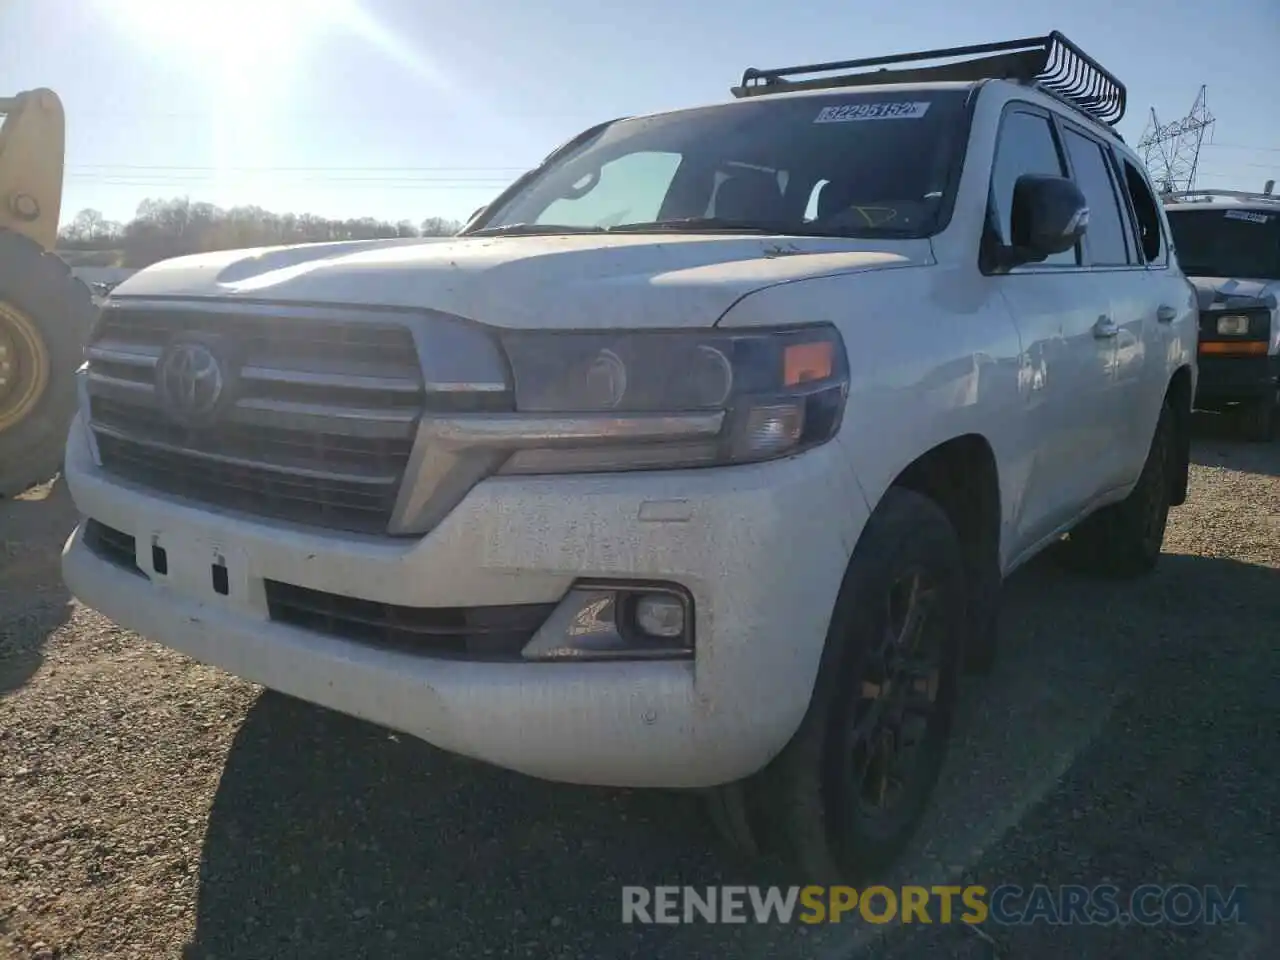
153 807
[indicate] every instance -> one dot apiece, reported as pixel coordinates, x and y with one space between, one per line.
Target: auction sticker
851 112
1248 215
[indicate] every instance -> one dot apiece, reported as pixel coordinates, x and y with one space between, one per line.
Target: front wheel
846 793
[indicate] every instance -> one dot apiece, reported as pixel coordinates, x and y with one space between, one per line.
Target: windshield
1242 243
847 164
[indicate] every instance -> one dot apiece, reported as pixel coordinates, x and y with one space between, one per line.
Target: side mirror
1049 216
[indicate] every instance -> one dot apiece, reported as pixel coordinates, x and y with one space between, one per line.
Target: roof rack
1182 196
1053 63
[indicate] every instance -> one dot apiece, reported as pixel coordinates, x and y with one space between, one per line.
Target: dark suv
1228 244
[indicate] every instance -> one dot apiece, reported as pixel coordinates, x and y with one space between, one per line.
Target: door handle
1166 313
1105 328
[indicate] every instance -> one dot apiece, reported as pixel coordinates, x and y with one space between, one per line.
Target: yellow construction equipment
45 312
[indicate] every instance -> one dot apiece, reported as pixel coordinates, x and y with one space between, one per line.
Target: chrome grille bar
320 427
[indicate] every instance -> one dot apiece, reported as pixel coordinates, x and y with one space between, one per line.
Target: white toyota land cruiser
696 460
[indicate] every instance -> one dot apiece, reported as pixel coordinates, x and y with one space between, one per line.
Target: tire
1123 540
1258 419
40 286
807 805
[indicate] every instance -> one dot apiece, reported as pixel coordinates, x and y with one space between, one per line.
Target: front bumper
1229 379
762 549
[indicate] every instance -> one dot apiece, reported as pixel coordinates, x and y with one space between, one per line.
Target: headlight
754 396
1233 326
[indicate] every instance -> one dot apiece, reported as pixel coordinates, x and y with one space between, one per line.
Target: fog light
616 621
660 615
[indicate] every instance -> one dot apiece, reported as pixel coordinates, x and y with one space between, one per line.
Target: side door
1123 330
1065 369
1173 316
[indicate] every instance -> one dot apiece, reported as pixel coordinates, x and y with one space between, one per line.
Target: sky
406 109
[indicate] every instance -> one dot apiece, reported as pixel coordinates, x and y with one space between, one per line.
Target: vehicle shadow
1216 442
330 837
33 601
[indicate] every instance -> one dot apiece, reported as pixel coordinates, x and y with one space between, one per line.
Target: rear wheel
1124 539
846 793
45 316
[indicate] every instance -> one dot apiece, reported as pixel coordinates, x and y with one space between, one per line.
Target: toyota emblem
190 382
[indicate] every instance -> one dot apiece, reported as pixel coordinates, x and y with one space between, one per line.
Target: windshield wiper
686 225
768 227
531 229
695 224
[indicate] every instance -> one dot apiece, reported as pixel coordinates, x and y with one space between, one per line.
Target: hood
1222 293
579 280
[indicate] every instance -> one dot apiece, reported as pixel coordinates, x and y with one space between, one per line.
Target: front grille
320 432
111 545
470 633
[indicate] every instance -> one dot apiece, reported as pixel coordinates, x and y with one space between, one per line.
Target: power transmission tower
1171 151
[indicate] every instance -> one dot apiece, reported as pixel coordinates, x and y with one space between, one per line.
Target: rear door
1172 317
1123 330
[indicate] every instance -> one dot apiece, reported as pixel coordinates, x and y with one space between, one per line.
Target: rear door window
1106 240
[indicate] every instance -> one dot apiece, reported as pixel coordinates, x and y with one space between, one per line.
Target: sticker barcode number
852 112
1247 215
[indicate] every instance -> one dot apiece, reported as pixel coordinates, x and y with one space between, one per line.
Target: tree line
170 228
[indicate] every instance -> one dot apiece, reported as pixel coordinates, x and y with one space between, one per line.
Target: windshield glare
847 164
1242 243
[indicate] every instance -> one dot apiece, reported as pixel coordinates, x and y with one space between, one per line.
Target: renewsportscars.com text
1007 904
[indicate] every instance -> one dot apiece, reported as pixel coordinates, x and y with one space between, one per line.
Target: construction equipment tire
45 318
